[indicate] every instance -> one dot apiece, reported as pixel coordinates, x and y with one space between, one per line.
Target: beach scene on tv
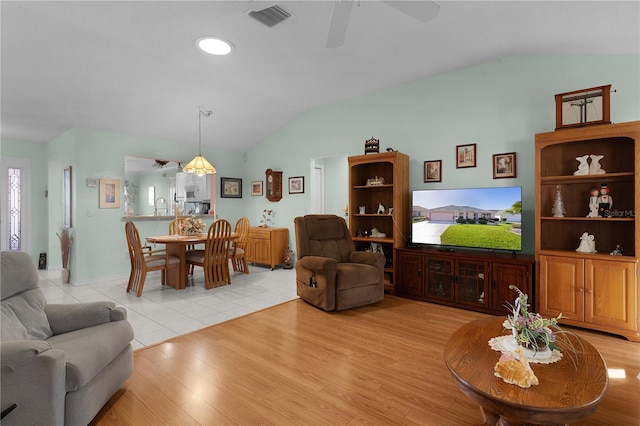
487 218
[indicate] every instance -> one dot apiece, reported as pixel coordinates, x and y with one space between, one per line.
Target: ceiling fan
422 10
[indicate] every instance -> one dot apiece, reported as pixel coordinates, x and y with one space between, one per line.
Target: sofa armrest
18 353
368 258
33 378
317 263
65 317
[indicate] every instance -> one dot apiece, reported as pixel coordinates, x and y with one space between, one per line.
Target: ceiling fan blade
339 22
423 11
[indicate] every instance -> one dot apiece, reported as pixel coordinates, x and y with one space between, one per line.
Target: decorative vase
65 275
542 352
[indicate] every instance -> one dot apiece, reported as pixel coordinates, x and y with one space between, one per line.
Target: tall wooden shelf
592 290
393 167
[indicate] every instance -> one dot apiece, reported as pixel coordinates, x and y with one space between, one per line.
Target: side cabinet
466 280
593 293
266 246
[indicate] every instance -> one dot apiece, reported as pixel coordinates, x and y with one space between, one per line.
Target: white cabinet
191 187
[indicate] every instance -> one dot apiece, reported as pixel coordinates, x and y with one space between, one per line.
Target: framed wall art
583 107
256 187
504 165
296 185
109 194
433 171
465 156
230 188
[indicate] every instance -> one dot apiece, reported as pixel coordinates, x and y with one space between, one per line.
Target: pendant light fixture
199 165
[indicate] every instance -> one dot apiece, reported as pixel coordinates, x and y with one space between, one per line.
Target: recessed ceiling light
214 45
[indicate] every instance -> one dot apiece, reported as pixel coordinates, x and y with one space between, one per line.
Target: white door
15 211
318 190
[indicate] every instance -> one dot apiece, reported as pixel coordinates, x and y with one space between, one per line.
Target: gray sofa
60 362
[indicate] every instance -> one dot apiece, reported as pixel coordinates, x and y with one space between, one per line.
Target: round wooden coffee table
566 393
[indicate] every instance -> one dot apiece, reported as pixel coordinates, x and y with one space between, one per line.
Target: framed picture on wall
109 194
433 171
466 156
296 185
230 188
256 187
504 165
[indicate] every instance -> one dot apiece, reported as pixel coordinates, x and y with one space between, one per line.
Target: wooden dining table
177 246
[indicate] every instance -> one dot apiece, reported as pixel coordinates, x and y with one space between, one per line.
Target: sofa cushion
18 273
12 328
27 308
89 350
352 275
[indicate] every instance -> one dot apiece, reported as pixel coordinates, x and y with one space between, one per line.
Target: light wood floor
293 364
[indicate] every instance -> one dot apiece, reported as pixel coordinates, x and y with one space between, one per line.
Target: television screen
487 218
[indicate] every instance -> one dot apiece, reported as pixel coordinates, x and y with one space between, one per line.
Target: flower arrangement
530 329
192 225
267 218
66 239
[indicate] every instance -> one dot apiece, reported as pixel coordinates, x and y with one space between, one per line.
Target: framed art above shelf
583 107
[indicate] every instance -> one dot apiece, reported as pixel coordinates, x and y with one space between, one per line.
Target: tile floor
164 312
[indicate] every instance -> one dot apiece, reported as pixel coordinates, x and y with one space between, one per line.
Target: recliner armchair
60 362
330 273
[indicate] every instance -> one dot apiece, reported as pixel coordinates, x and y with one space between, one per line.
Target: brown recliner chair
330 273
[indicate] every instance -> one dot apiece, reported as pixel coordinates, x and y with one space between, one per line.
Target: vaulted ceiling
133 66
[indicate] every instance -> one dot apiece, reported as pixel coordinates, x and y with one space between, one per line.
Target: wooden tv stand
462 278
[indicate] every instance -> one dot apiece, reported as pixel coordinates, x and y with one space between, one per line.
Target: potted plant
66 239
532 332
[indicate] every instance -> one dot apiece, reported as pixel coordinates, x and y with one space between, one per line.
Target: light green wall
498 105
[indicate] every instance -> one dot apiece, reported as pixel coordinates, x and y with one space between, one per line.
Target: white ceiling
132 66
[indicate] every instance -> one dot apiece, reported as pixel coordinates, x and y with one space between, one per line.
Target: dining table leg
177 277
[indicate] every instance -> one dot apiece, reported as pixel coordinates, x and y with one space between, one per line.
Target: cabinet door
561 287
610 293
502 276
472 283
440 278
410 280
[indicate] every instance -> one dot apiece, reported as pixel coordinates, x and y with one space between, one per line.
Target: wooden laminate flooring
293 364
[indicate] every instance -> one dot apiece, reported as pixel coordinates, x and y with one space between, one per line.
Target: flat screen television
479 218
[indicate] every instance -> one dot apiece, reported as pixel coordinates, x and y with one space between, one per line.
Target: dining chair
214 259
143 260
239 246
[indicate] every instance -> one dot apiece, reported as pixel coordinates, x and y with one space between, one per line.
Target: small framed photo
256 187
230 188
504 165
296 185
465 156
109 194
433 171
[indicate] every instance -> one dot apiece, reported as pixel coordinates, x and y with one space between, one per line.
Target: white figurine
377 234
593 203
583 167
594 167
587 244
362 209
605 201
380 208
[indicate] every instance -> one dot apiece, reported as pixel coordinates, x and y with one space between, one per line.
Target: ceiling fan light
199 166
214 45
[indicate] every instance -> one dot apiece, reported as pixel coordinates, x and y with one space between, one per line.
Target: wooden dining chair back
239 246
144 261
174 226
214 259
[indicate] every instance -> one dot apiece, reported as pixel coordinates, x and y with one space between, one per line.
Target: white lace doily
505 344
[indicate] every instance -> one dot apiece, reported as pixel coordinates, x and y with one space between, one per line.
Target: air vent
270 16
